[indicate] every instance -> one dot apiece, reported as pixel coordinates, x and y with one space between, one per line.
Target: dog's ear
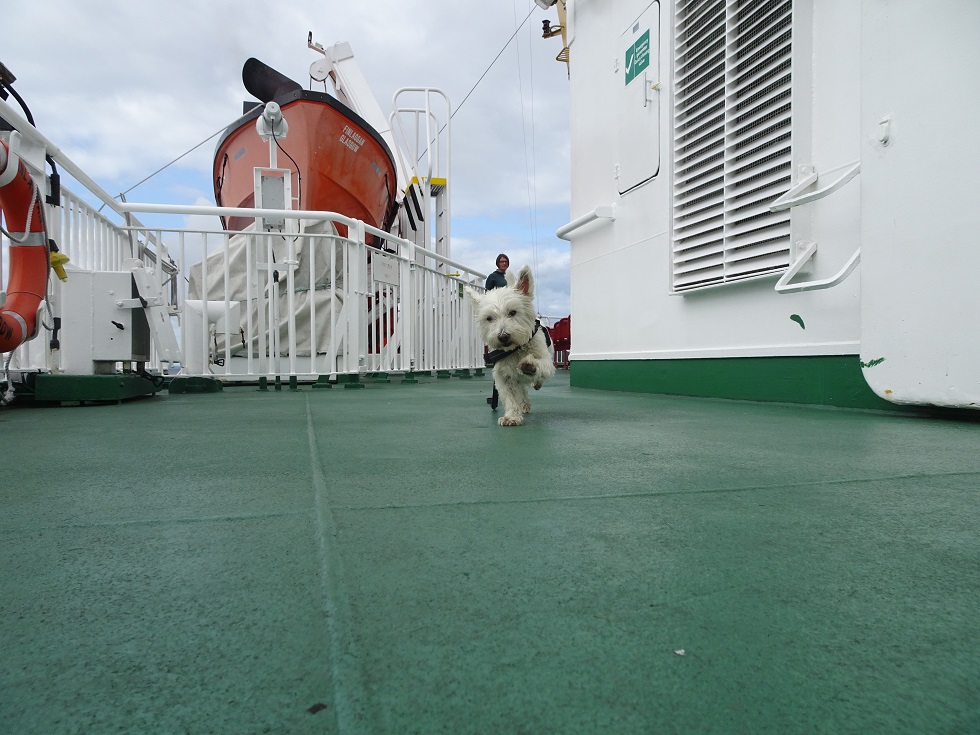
475 296
525 282
510 278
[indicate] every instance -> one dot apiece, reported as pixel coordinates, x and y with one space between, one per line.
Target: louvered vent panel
699 143
732 152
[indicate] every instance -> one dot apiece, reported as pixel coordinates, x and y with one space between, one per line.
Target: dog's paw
527 367
510 421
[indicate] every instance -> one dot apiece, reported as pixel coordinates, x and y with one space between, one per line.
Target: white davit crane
352 89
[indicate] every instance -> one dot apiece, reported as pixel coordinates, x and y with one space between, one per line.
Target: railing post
291 303
335 325
357 330
310 249
203 344
409 310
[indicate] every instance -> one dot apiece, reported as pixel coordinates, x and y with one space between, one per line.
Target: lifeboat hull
339 163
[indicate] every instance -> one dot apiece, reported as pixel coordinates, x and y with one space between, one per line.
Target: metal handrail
794 198
600 212
783 285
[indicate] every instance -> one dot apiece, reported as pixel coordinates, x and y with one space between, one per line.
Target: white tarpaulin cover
311 253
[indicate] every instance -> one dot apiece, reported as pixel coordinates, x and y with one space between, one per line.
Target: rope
35 195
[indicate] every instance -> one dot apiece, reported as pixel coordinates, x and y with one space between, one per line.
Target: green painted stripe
830 380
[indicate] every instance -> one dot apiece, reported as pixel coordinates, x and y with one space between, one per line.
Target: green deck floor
393 561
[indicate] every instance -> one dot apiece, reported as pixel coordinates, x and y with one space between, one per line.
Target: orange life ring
23 210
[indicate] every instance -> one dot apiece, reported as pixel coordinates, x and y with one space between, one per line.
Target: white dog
522 352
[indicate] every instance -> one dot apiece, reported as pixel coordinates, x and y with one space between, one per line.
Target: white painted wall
620 270
921 217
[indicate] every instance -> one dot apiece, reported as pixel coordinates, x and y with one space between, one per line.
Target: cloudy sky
124 87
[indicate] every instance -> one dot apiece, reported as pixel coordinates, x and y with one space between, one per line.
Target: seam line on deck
347 689
654 493
161 521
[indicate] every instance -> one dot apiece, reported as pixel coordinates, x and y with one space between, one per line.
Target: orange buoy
23 210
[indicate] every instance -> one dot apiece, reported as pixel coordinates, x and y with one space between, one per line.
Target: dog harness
492 358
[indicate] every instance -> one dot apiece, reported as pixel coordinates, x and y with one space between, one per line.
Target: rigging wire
168 165
487 70
534 157
451 115
529 167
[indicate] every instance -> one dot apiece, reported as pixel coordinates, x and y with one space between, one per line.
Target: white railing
342 306
420 125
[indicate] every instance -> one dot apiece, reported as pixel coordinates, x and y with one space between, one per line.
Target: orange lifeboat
23 210
343 164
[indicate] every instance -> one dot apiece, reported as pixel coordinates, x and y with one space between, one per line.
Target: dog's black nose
503 338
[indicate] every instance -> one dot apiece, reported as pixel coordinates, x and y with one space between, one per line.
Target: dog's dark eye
513 312
489 318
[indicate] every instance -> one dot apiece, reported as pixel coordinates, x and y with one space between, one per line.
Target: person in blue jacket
498 278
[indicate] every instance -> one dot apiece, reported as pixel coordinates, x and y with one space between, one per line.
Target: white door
920 219
637 74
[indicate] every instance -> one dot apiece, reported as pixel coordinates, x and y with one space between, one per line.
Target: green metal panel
831 380
92 388
194 384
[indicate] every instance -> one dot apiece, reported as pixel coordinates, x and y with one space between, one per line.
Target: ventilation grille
732 152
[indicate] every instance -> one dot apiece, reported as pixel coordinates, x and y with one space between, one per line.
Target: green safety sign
638 56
